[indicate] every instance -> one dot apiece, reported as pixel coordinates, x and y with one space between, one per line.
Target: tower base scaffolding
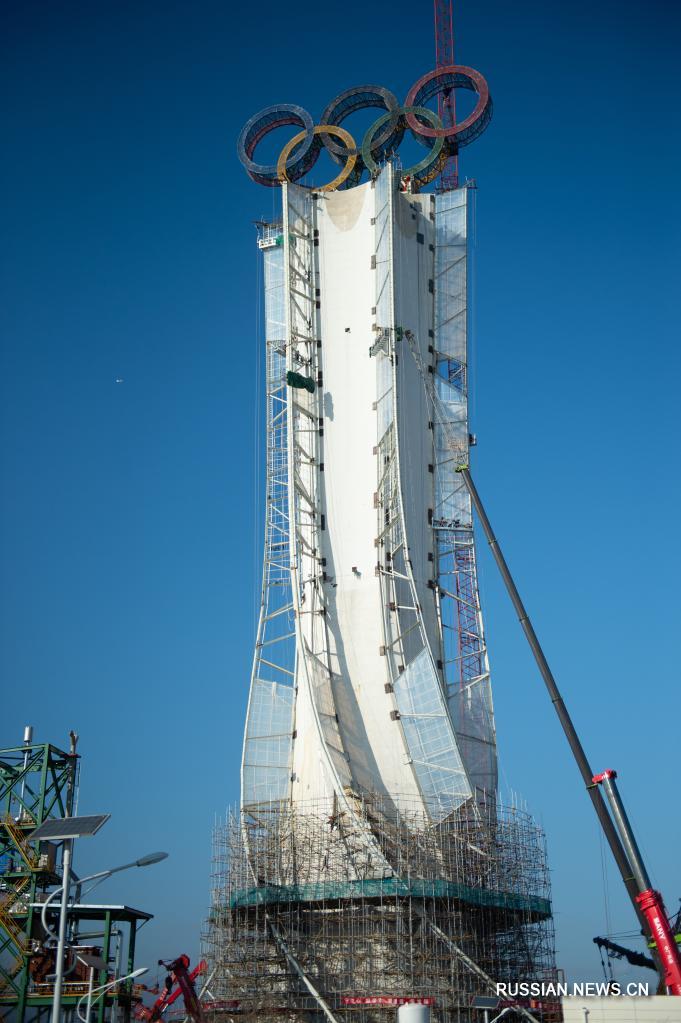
298 905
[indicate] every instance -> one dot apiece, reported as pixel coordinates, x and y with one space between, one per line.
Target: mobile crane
178 982
647 902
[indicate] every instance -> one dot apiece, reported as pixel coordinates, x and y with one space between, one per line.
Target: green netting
298 380
322 891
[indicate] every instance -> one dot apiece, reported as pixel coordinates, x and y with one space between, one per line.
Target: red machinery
444 57
178 982
649 900
646 901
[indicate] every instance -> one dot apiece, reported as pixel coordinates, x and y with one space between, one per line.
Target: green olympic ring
430 166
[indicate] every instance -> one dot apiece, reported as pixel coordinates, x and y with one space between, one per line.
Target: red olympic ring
429 86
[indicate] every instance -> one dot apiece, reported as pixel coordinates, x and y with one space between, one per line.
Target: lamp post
99 991
93 963
61 940
101 875
67 829
488 1004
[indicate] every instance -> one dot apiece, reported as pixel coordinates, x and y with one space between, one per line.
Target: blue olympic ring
262 124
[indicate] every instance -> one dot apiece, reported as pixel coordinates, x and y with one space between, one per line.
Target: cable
606 899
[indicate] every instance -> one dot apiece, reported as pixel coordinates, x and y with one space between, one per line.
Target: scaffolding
302 905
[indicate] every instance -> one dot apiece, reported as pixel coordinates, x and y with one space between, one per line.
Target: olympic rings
362 97
299 156
430 166
320 129
450 78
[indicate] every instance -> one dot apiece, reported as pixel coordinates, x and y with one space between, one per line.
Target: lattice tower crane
446 101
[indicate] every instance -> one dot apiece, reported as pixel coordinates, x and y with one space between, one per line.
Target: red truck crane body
649 900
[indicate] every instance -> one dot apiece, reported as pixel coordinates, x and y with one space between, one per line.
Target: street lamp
509 1008
93 963
151 857
99 991
67 829
487 1004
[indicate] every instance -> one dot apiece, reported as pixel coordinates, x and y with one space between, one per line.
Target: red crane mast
446 102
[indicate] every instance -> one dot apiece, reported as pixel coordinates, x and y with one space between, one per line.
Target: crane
615 951
179 982
446 102
620 952
647 902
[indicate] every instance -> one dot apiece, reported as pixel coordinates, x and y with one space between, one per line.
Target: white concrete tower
370 674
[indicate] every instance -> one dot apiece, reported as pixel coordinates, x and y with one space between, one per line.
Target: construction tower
37 781
370 862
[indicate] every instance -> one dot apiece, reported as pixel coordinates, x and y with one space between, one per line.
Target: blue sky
130 531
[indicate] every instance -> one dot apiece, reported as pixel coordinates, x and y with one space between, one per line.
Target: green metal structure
37 781
109 920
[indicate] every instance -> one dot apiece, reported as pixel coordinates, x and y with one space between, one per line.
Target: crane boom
646 901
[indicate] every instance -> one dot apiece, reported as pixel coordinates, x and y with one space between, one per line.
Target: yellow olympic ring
321 129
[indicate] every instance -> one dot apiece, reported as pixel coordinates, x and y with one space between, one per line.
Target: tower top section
381 141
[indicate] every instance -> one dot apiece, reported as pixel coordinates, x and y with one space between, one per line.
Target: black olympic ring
362 97
382 138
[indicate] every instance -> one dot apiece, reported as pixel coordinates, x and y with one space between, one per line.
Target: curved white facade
370 672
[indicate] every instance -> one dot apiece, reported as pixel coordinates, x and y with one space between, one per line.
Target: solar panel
484 1002
69 827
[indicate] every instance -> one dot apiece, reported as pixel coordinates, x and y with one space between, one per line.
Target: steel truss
36 782
269 722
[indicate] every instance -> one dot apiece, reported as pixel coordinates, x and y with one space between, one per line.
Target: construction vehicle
647 902
178 982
